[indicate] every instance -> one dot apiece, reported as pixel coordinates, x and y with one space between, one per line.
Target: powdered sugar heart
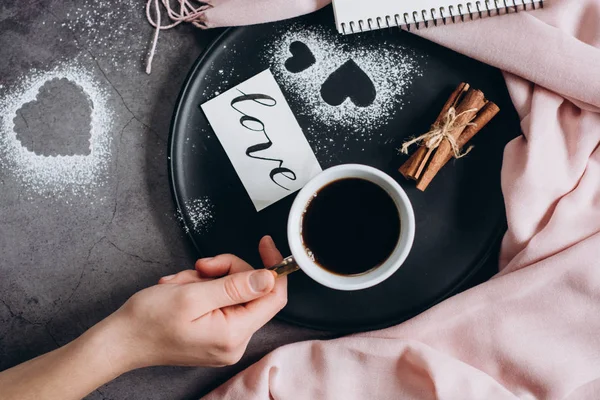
57 122
390 67
301 59
349 81
56 174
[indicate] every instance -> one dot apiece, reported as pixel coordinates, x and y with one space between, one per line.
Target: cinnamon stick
472 100
414 166
411 166
484 116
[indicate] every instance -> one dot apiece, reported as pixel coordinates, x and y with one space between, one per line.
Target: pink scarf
533 331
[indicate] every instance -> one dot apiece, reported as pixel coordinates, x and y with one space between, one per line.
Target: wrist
109 344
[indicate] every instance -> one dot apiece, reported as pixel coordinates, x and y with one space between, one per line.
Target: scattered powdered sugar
60 174
225 77
390 67
109 30
200 213
181 221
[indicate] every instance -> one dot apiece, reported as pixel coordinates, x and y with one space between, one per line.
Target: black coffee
351 226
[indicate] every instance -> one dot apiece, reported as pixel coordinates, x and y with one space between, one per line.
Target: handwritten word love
256 125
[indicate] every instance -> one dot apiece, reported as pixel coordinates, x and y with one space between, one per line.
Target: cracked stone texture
68 262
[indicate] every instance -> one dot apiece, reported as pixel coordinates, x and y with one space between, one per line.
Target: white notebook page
353 16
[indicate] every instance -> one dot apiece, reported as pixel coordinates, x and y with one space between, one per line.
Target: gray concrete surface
68 260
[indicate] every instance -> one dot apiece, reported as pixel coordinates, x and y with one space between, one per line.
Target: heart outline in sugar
45 126
45 174
348 81
302 58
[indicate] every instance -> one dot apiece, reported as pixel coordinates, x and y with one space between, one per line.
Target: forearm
70 372
184 320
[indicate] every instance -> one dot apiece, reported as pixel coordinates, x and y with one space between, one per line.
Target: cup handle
286 267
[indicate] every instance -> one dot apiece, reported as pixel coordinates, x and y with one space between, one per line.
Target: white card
262 139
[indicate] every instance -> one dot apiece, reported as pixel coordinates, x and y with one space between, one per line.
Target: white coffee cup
301 259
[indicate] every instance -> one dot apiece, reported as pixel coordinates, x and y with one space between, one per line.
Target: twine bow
440 131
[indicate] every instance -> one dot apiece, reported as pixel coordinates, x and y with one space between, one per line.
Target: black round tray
459 219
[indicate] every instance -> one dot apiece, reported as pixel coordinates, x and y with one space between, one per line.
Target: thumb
236 288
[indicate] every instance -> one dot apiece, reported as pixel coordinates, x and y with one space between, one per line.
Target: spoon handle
286 267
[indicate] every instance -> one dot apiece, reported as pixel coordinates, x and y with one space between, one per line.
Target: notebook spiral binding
473 9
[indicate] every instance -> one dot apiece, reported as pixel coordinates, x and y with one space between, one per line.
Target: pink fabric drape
533 331
249 12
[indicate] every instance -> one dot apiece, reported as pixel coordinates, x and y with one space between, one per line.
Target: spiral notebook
354 16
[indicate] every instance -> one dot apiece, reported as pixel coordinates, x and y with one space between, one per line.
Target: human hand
200 317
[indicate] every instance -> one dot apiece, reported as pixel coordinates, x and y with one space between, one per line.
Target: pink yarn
188 12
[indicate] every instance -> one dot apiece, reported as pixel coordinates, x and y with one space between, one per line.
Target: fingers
187 276
259 306
268 252
225 264
221 265
238 288
255 314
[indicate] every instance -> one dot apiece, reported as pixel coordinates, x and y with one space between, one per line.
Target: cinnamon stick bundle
414 166
464 114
